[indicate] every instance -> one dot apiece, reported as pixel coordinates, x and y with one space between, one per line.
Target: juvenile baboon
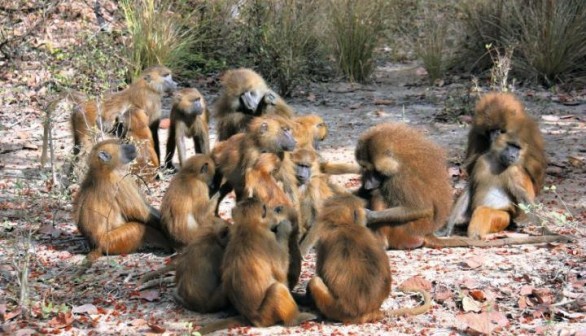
198 269
186 206
245 95
309 131
288 237
109 209
189 118
404 171
260 182
255 269
237 155
144 93
355 295
314 188
506 164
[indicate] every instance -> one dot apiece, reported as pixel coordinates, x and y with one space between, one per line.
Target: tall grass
282 39
157 35
552 39
356 27
432 45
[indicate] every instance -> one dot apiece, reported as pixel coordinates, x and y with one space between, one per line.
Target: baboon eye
147 78
278 209
104 156
204 168
264 211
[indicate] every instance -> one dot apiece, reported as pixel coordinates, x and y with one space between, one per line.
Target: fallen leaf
478 295
156 328
414 283
526 290
10 315
150 295
25 332
442 294
471 305
468 283
543 295
138 323
575 162
62 320
483 323
522 302
86 308
165 123
474 262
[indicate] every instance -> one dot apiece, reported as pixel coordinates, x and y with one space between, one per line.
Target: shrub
157 35
281 38
356 27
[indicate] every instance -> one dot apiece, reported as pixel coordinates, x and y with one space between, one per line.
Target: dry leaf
156 328
86 308
62 320
468 283
442 294
471 305
484 323
526 290
543 295
478 295
150 295
383 102
575 162
414 283
474 262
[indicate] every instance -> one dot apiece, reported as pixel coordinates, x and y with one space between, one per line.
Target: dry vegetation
394 49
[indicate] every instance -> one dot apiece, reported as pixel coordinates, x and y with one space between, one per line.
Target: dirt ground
509 290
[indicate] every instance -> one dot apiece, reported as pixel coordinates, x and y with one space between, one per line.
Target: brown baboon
506 163
186 206
189 118
355 295
255 269
110 210
144 93
245 96
259 181
404 171
314 188
238 155
309 131
288 237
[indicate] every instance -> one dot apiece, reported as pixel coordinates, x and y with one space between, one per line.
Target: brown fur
198 269
495 188
232 114
503 111
186 206
189 118
356 295
261 183
309 131
237 156
314 189
144 93
109 209
288 237
413 177
255 268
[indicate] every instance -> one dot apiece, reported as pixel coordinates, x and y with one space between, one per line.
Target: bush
549 37
157 35
281 37
356 27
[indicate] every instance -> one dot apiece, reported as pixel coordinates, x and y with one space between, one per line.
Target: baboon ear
264 211
147 78
204 169
264 127
104 156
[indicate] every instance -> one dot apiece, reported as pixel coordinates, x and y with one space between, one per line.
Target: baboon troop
285 202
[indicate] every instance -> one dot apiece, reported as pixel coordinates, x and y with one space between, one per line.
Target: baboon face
202 166
273 134
190 101
112 154
160 79
303 160
508 150
252 212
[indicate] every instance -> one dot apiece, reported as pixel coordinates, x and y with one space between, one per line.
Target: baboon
144 93
288 237
189 118
186 206
404 171
506 163
109 209
255 268
237 155
355 295
314 188
198 269
309 131
259 181
245 96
